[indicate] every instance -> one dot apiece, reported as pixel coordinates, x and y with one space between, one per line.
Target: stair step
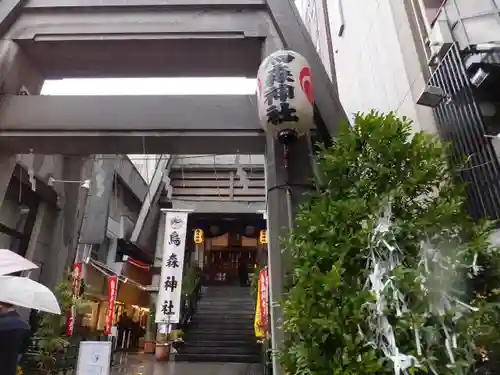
235 299
249 323
225 302
222 328
235 343
223 314
226 299
215 336
212 318
207 329
234 358
228 307
186 349
247 326
218 339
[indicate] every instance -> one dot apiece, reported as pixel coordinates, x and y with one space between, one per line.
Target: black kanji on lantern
171 283
277 116
288 58
281 93
279 73
279 81
174 239
172 261
167 307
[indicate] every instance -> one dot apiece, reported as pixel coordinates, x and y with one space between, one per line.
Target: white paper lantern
285 94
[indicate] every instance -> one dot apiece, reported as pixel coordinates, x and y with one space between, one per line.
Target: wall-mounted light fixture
83 184
479 77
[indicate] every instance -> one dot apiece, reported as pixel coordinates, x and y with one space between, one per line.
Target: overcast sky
150 86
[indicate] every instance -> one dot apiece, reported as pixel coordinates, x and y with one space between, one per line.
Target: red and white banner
264 299
112 290
76 279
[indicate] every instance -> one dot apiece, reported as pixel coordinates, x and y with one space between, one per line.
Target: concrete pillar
37 230
95 220
67 229
16 72
298 176
7 165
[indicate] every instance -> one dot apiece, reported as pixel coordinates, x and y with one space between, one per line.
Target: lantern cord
289 208
289 202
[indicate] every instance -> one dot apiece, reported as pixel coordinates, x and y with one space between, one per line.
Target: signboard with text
168 308
94 358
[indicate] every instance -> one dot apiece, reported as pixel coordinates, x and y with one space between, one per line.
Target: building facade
378 63
59 210
434 61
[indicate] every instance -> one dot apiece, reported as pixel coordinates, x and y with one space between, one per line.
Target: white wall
376 60
313 14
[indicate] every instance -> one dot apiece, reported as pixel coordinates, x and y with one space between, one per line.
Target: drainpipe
329 45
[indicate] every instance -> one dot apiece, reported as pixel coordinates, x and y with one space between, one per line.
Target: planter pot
141 342
149 346
162 352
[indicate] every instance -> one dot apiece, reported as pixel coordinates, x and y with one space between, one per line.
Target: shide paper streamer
384 257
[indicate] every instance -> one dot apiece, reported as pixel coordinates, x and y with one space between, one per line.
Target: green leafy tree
53 342
386 247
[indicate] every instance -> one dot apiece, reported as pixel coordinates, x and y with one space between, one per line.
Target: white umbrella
11 262
24 292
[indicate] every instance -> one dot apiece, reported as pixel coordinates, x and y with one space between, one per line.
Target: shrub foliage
439 275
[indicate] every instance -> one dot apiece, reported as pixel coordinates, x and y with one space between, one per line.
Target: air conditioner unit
440 38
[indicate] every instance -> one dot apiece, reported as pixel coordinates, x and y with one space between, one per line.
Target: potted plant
177 338
53 343
162 349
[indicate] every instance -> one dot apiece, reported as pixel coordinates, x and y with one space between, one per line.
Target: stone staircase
222 328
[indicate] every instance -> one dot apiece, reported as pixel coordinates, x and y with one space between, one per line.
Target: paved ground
126 364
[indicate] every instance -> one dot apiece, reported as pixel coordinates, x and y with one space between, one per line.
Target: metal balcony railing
472 22
460 122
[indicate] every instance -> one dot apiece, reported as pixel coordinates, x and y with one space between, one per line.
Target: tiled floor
125 364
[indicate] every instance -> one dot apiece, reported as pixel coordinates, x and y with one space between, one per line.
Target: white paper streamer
380 283
437 272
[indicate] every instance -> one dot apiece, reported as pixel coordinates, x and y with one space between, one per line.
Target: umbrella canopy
11 262
24 292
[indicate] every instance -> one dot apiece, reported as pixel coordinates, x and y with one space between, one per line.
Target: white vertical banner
168 306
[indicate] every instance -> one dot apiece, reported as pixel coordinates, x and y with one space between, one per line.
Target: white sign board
94 358
168 307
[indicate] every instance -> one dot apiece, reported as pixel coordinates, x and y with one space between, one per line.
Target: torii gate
47 39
